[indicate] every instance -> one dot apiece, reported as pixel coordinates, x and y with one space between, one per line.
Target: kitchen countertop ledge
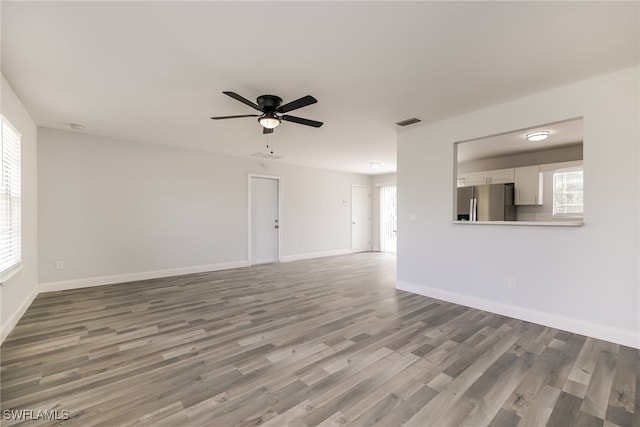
539 223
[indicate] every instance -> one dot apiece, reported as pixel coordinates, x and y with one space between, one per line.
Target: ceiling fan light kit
269 121
272 110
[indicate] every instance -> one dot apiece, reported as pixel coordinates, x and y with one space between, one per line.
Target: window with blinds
568 193
10 201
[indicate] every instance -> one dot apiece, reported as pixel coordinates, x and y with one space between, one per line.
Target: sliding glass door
388 218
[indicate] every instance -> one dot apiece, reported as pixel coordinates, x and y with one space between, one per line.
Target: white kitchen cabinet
498 176
528 185
476 178
501 176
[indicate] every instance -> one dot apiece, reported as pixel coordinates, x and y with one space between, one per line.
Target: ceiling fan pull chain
269 143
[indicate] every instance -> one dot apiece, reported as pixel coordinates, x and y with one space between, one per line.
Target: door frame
250 214
368 187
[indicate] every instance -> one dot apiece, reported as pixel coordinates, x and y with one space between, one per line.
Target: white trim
250 216
8 326
557 223
310 255
132 277
616 335
8 274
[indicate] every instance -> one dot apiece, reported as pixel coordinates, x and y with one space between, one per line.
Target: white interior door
360 218
264 220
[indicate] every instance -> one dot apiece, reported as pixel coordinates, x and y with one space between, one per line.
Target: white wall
18 292
583 279
315 218
114 210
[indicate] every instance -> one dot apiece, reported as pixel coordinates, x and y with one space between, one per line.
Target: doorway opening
388 218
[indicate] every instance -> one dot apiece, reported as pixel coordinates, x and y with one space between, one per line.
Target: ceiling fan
272 111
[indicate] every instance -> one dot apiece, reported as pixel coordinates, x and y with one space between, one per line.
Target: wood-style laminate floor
316 342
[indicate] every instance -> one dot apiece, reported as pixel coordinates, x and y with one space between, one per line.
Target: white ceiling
154 71
561 134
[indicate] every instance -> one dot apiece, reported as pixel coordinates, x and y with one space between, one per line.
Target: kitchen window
568 193
10 202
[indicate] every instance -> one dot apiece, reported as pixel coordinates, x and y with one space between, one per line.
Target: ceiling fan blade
298 103
301 121
265 131
242 99
235 117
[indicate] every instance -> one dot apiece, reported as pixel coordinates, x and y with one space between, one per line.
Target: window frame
10 200
565 214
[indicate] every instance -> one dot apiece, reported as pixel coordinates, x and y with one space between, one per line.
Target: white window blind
10 200
388 218
568 193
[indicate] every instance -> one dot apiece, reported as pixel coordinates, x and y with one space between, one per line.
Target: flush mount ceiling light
269 121
375 165
538 136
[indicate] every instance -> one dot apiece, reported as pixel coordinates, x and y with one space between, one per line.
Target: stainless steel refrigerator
491 202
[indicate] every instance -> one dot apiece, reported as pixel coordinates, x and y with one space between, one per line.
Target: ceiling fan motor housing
269 103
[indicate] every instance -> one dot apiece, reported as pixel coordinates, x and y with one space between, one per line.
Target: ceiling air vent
408 122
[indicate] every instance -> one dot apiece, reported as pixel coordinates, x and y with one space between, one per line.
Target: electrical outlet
512 283
59 265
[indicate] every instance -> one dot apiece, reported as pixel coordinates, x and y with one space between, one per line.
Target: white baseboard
8 326
132 277
616 335
288 258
